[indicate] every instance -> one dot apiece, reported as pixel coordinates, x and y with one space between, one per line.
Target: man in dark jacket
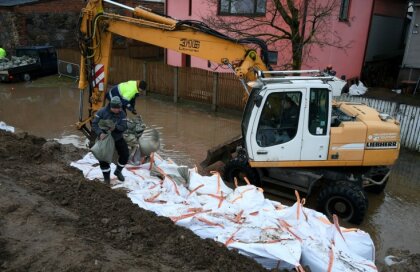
118 119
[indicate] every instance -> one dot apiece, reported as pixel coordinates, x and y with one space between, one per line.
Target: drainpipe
367 38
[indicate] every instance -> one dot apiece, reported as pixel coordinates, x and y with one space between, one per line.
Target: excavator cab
290 122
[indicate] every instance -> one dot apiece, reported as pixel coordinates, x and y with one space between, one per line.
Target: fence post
214 98
145 75
176 74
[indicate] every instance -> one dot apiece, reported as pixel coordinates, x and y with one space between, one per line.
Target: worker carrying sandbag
115 125
128 92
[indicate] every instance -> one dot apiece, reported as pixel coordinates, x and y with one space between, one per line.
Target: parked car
30 62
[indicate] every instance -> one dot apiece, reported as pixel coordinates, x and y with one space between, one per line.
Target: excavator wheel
26 77
239 168
345 199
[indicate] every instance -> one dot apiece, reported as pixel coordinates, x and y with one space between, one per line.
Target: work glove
134 111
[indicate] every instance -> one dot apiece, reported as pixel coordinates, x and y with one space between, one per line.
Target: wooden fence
220 90
407 115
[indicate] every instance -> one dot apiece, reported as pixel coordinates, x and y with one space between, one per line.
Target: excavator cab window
279 118
254 99
318 111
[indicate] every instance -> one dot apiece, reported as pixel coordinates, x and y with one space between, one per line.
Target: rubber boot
118 173
107 178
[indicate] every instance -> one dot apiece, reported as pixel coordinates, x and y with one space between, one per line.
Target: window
344 10
272 57
318 111
279 119
242 7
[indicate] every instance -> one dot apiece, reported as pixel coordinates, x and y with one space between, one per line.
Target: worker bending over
127 92
113 112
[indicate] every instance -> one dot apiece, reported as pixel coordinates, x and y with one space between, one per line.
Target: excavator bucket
222 152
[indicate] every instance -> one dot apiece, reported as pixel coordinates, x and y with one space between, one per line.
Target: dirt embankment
52 219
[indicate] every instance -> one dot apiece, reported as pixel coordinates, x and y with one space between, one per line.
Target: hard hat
116 102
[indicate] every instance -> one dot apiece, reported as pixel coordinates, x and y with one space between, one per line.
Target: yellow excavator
294 136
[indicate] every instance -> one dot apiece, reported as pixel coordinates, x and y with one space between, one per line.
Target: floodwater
49 108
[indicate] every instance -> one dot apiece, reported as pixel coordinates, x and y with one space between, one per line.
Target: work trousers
122 150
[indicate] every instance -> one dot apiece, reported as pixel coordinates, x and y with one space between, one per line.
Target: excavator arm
189 37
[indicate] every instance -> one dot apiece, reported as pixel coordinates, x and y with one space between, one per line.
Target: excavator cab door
275 128
317 120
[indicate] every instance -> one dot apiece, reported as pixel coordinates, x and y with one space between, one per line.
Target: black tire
377 189
346 200
240 169
26 77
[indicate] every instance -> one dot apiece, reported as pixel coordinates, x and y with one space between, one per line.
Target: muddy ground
52 219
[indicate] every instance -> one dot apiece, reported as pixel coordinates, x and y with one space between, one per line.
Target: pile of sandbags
16 62
275 235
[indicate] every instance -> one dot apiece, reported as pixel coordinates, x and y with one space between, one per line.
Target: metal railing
68 69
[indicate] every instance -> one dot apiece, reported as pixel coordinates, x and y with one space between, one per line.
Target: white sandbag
4 126
248 198
103 150
330 252
357 89
208 184
359 242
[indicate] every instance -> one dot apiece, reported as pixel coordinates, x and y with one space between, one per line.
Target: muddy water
49 108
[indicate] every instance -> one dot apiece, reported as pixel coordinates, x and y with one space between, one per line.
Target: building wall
412 52
353 32
347 62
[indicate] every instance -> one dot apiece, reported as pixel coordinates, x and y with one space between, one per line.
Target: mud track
52 219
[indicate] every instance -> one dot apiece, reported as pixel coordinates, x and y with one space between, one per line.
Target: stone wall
9 33
51 22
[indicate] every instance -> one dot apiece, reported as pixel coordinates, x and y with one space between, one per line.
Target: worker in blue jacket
128 92
113 112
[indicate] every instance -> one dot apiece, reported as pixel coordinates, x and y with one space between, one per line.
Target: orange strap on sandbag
152 160
209 222
152 198
286 225
218 180
337 226
235 180
230 240
177 218
298 204
220 198
331 255
195 189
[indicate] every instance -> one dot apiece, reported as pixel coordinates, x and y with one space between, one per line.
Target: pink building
372 28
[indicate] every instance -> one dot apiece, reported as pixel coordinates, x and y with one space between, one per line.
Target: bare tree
288 25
